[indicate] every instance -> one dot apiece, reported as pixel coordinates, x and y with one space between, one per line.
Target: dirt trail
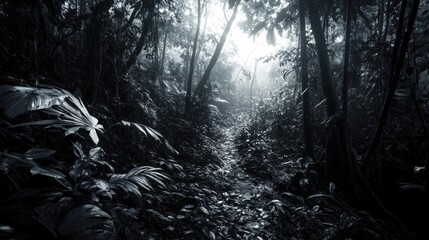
246 206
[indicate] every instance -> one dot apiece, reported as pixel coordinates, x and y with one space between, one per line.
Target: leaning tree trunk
219 46
188 98
147 26
309 152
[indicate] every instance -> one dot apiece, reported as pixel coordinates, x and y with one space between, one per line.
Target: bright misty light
252 47
243 50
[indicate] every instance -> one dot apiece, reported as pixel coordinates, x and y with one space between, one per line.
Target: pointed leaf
37 153
45 171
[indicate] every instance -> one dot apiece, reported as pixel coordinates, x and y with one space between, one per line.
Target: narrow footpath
247 207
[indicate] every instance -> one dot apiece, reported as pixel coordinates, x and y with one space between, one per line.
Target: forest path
245 207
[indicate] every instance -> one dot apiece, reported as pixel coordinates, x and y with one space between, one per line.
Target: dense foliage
132 119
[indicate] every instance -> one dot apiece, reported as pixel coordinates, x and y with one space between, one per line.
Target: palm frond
148 131
142 177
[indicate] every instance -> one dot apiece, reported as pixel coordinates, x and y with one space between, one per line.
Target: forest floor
245 210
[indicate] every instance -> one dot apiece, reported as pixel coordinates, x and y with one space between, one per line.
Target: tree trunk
308 142
203 34
395 77
164 46
147 25
188 99
186 65
399 32
252 84
92 68
325 69
339 168
217 52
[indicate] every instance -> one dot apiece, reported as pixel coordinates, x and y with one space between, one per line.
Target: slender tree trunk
164 46
147 26
133 16
325 68
381 18
188 99
252 83
186 66
217 52
346 83
394 79
203 34
92 68
399 32
339 168
309 152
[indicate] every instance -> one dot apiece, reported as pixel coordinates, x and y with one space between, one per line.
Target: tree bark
217 52
188 98
308 142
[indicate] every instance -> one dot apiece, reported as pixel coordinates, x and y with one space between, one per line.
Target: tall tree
322 52
219 46
339 167
304 81
93 63
188 98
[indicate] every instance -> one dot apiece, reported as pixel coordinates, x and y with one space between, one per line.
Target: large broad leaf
16 100
87 222
70 112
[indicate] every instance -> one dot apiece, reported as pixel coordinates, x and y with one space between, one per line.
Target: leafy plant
87 222
70 112
11 161
88 165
